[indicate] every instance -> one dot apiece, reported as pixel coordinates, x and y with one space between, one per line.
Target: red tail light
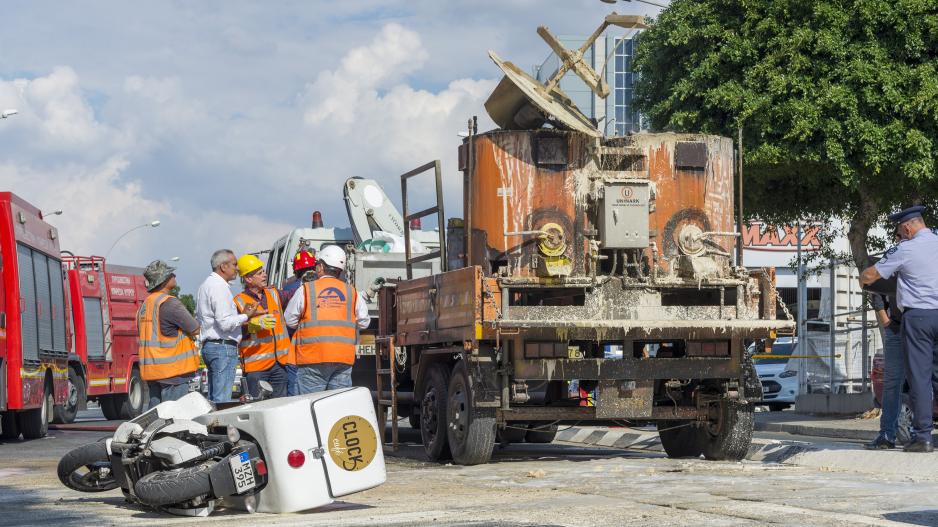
261 468
296 458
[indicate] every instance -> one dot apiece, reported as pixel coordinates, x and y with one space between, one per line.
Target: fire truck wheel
679 438
471 430
35 423
541 433
134 402
76 394
433 413
109 407
10 429
87 469
729 438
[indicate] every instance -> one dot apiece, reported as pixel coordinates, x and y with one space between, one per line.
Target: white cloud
97 205
231 125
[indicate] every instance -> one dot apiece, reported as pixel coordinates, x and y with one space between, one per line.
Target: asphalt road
557 484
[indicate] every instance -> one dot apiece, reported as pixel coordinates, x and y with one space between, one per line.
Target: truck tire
433 413
166 487
679 438
134 402
35 423
9 429
109 407
470 430
87 469
512 433
76 395
541 433
730 437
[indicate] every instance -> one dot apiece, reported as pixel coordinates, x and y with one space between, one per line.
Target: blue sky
230 122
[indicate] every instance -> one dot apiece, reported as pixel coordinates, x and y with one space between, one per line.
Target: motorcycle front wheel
87 469
168 487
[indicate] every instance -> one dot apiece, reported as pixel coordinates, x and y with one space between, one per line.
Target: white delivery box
337 433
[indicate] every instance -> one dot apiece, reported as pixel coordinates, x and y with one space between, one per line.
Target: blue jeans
313 378
276 375
160 393
222 362
893 379
292 388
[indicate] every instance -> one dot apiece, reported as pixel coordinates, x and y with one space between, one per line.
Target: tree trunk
863 219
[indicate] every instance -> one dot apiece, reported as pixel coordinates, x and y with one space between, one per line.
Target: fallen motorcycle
277 455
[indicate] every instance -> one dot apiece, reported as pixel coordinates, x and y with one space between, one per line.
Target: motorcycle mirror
233 434
266 388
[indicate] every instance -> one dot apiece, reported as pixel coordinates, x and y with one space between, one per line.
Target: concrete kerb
822 456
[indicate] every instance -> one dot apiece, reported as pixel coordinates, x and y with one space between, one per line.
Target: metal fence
833 353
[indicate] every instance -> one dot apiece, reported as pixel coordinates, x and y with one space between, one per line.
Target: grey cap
156 273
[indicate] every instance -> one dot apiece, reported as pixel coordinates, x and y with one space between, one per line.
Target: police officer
917 295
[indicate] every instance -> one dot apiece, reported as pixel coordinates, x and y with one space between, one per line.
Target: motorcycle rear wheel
87 469
168 487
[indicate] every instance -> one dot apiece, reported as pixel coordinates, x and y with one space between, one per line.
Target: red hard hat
303 260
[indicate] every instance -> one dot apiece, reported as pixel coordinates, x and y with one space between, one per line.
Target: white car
779 380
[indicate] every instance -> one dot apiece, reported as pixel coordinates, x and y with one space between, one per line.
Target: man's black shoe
919 446
880 443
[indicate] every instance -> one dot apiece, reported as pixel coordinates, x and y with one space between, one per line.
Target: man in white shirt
220 325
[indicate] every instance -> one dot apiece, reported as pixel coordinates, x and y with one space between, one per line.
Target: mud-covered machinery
604 264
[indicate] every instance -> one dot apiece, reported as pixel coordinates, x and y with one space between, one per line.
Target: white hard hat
333 256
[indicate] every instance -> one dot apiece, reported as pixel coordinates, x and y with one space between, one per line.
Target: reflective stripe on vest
162 357
327 333
261 349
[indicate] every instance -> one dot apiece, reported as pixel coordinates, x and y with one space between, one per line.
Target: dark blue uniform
917 294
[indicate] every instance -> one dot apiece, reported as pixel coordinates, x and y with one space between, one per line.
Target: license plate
242 472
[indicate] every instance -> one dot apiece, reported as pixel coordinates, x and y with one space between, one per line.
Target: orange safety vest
327 331
162 357
260 350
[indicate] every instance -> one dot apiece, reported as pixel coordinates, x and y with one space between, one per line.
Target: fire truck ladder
385 365
408 217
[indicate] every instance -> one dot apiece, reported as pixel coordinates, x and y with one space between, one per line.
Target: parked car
779 380
904 426
235 389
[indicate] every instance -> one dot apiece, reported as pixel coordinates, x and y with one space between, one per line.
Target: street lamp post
8 113
154 223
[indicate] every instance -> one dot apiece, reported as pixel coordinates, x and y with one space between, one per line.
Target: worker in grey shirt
173 318
917 295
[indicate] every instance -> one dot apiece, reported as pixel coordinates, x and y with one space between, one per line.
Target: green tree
837 99
186 299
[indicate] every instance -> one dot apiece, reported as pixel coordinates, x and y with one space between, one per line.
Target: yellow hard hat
249 263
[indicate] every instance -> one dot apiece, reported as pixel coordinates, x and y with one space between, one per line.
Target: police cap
907 214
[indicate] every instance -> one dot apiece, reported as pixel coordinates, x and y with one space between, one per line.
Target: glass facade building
612 57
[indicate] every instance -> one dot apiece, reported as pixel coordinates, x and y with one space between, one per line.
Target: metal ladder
384 350
409 261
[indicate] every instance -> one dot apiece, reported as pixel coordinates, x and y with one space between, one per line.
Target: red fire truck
68 329
104 365
34 330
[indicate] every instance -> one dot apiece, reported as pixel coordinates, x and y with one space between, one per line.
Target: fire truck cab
35 339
